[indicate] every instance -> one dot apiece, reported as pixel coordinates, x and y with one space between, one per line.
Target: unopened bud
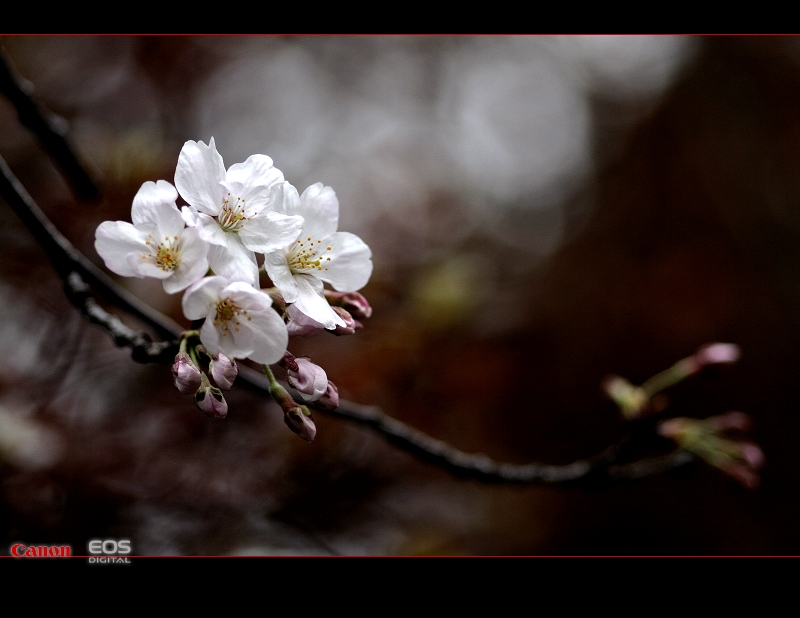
353 302
751 453
210 402
330 400
297 418
187 376
288 362
718 354
300 421
737 457
630 399
351 325
308 379
224 370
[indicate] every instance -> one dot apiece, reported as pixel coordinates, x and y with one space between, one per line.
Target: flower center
307 255
166 254
227 312
232 216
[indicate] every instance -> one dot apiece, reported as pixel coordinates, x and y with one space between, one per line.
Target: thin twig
601 468
143 348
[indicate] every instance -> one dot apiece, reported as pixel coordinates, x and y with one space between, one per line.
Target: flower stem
677 373
185 348
273 383
277 391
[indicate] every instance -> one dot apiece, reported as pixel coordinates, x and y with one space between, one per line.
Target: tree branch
50 129
66 259
81 279
75 270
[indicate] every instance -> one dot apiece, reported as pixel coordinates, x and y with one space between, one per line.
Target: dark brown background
669 218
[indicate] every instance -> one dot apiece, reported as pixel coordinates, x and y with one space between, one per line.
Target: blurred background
542 210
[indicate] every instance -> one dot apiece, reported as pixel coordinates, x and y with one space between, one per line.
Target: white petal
285 199
253 180
115 241
311 302
258 334
319 206
207 226
202 297
179 281
147 267
154 209
233 343
281 276
236 262
270 231
191 216
247 297
235 339
193 248
350 266
193 265
211 338
199 174
300 324
267 333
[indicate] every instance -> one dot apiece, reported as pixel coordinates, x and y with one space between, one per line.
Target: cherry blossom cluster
209 249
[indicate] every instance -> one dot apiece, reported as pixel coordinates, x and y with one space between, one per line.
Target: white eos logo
109 547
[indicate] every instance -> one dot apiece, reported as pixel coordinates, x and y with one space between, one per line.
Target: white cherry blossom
318 255
157 244
231 209
239 320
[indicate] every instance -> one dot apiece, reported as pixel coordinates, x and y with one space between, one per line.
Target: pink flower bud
301 325
288 362
224 370
330 400
357 305
718 354
353 302
752 454
309 379
187 375
210 402
300 421
297 418
351 325
673 428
